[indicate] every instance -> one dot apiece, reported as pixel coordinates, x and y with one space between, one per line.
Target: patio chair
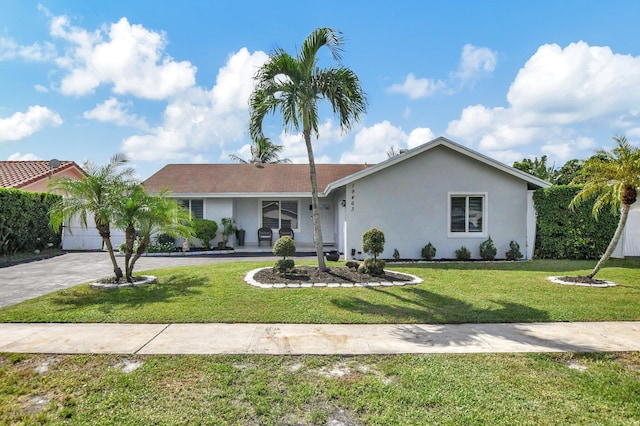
286 232
265 234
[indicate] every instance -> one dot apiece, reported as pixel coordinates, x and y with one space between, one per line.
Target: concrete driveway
29 280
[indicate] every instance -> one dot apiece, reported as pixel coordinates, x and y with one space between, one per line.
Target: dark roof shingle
245 178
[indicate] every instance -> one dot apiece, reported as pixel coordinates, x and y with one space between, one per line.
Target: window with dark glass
196 207
466 213
278 214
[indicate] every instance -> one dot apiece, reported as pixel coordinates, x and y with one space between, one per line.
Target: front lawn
474 292
481 389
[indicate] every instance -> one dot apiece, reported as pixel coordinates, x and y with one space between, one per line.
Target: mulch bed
582 280
336 274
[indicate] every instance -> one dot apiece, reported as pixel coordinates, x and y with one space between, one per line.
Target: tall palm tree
613 177
97 194
263 151
294 85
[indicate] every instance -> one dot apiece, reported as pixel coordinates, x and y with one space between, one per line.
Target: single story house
440 192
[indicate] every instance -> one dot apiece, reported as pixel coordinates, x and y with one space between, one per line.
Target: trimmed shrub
373 267
488 250
162 243
566 234
205 230
373 242
284 265
24 221
514 251
428 252
165 239
284 247
463 253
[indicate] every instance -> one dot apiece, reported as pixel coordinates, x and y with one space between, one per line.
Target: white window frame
485 216
279 201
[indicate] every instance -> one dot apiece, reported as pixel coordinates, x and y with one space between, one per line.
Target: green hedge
565 234
24 221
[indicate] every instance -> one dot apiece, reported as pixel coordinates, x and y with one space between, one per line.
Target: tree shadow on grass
168 288
448 322
420 305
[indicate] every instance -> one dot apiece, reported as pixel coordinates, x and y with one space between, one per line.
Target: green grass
506 389
451 293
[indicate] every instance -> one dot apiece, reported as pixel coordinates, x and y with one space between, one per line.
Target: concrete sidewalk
321 339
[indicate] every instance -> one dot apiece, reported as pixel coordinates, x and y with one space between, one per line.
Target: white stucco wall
76 237
629 244
409 203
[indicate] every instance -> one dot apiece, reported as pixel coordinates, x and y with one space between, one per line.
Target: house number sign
353 197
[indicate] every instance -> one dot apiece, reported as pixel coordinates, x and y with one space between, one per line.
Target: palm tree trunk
130 239
317 231
624 213
105 233
142 248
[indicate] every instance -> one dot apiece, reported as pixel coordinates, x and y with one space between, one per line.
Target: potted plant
228 228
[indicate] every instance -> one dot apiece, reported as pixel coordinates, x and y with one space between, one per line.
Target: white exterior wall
75 237
409 202
216 209
629 244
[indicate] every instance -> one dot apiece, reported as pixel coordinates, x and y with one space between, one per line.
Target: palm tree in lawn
294 86
97 194
263 151
142 215
613 177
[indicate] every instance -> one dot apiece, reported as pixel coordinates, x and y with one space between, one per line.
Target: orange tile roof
245 178
17 174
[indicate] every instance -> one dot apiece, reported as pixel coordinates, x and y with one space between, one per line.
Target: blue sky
168 82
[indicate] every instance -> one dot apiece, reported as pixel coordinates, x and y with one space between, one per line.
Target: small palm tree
142 215
294 85
263 151
98 195
613 178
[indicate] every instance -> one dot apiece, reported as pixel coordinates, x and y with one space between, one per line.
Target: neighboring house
440 192
35 176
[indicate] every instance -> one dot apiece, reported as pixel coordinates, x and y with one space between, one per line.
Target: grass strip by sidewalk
472 292
505 389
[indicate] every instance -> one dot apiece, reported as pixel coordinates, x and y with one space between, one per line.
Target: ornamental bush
373 242
514 251
205 230
565 234
463 253
428 252
373 267
284 247
488 250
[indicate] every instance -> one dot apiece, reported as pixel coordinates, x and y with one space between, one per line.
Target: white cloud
10 49
113 111
419 136
295 148
129 57
23 124
23 157
475 61
372 143
553 95
40 88
416 88
198 118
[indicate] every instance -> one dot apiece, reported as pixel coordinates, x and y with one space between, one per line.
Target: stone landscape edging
251 281
148 279
559 280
